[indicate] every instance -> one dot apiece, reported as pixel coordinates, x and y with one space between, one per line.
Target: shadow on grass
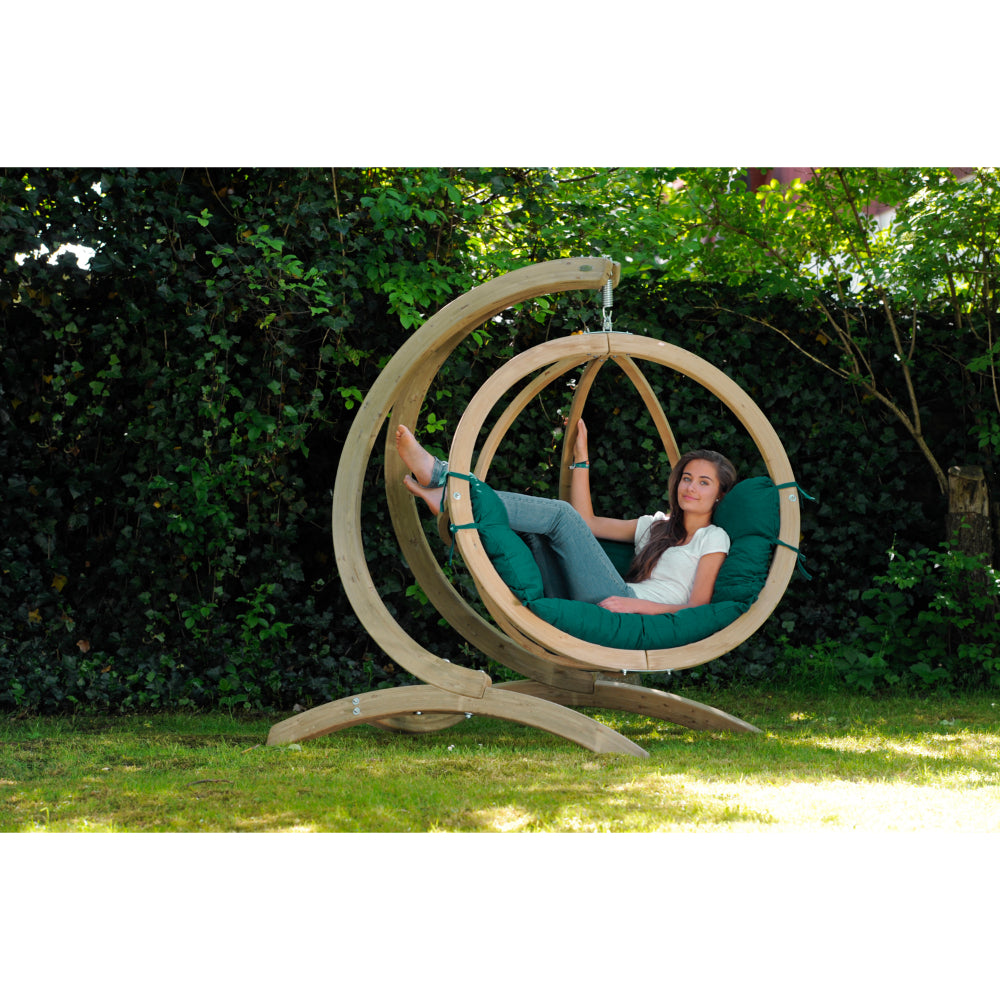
813 759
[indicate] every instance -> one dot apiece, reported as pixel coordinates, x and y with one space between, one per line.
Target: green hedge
171 421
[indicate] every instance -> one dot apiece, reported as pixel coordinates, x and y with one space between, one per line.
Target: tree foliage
819 241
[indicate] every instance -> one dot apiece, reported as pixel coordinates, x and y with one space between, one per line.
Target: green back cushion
748 514
508 552
620 553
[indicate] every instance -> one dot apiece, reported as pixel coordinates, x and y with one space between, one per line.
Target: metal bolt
357 711
355 701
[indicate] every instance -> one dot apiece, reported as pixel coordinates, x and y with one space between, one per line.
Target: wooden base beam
510 705
622 697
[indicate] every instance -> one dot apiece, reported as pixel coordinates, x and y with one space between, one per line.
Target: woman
677 556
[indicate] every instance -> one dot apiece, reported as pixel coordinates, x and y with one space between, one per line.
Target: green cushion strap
801 562
802 492
801 559
458 527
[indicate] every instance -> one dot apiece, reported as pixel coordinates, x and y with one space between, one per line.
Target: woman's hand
581 453
620 604
636 606
612 528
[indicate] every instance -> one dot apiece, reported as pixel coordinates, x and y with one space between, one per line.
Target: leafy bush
932 620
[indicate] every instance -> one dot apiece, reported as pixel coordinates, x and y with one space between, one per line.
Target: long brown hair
666 534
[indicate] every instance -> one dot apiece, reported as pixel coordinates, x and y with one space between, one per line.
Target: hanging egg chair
569 656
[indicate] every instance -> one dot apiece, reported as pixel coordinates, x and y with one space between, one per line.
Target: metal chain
609 301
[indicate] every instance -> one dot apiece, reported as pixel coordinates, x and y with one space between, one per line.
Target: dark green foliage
172 417
932 615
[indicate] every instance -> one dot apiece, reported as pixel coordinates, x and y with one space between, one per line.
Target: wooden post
969 510
969 521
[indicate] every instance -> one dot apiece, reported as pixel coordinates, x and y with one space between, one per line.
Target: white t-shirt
673 576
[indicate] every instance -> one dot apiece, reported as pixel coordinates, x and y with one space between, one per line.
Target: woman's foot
433 496
415 457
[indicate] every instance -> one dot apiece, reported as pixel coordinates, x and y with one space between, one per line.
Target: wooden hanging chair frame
562 672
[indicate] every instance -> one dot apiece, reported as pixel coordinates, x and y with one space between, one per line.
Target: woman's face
698 487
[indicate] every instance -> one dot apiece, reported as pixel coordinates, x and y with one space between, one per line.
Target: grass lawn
822 763
786 909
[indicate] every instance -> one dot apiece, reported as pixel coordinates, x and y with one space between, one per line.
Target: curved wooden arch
558 679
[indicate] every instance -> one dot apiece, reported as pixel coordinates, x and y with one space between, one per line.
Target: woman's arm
701 593
612 529
704 579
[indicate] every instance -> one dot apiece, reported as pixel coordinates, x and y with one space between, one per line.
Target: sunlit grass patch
502 819
873 807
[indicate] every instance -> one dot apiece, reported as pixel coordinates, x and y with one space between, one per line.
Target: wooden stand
563 672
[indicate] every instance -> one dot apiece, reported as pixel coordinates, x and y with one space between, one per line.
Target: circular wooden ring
517 620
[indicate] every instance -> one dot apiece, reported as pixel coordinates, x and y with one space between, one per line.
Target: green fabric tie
800 561
457 527
452 528
802 492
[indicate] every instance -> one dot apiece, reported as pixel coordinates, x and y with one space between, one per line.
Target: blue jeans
571 560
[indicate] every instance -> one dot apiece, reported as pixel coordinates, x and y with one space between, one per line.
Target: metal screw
357 711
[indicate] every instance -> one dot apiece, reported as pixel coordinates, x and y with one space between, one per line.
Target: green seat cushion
626 631
508 552
749 515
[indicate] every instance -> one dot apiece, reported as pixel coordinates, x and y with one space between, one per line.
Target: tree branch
870 387
907 378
